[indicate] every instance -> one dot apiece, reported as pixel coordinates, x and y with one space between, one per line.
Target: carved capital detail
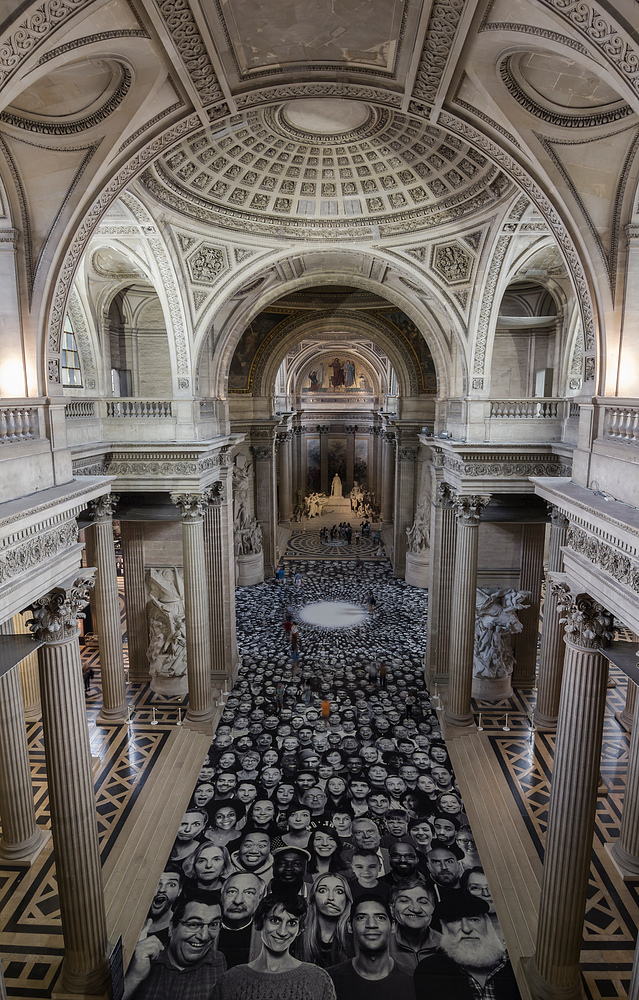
191 505
102 509
468 509
587 623
216 495
262 452
407 453
55 615
557 517
444 496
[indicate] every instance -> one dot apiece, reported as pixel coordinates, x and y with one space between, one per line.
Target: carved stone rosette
468 509
587 623
103 508
192 506
55 616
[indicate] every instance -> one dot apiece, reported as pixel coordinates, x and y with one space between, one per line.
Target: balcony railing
621 423
18 424
80 409
149 408
525 409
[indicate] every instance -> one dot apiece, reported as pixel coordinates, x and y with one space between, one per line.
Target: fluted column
132 533
350 458
285 461
21 837
388 477
70 780
3 988
462 622
626 716
405 471
265 505
218 542
114 709
443 539
551 654
295 466
625 850
530 577
28 671
196 608
554 970
325 486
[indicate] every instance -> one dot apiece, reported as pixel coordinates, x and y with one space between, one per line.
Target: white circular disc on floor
333 614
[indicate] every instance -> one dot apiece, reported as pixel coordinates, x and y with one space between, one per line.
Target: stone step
137 860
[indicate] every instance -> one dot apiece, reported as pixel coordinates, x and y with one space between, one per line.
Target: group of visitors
323 856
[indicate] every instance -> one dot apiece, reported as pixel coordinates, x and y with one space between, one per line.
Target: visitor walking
372 675
371 602
325 711
382 673
298 581
87 674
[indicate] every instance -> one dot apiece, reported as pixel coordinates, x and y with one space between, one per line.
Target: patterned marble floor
307 544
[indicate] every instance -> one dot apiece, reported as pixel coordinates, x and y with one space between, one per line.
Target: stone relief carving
166 651
452 263
178 17
440 35
36 550
207 263
587 623
55 615
32 32
247 533
606 556
418 534
496 621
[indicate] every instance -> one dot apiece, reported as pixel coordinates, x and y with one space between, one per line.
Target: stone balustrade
146 408
525 409
79 409
621 423
18 423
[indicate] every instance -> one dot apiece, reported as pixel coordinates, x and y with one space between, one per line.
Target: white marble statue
495 622
418 535
248 539
166 651
336 486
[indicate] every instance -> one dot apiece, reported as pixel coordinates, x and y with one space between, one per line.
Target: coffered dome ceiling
330 168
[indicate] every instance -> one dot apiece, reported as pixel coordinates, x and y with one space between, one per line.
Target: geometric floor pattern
308 545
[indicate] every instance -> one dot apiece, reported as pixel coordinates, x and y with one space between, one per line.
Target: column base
541 989
113 716
626 864
33 713
624 720
545 723
25 854
611 682
73 986
459 721
200 722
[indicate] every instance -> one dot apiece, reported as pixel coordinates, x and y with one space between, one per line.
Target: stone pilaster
530 578
551 654
285 463
71 795
114 709
265 500
196 607
388 477
132 533
462 622
443 539
405 471
218 542
553 973
21 839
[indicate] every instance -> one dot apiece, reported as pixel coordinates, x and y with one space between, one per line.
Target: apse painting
336 373
337 458
360 468
245 352
313 465
418 345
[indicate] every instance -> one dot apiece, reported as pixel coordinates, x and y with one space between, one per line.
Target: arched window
71 373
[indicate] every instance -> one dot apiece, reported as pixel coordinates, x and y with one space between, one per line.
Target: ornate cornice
442 27
192 506
468 509
32 551
587 624
33 31
620 566
55 616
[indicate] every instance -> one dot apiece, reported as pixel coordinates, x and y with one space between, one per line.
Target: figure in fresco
349 375
312 377
320 375
338 373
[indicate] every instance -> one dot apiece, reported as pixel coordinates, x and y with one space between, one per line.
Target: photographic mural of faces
326 857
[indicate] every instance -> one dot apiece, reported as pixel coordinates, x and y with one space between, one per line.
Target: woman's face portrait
225 818
209 865
324 845
280 930
330 897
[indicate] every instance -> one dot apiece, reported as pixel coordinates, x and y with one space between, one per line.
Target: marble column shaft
21 837
28 670
285 462
132 533
196 607
350 460
462 622
625 718
405 473
441 573
265 502
70 781
530 578
625 850
388 478
218 526
325 485
552 651
295 462
114 709
554 970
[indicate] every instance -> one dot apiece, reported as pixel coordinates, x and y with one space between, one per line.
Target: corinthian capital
407 452
190 505
55 616
557 517
216 495
444 496
587 623
102 509
262 452
468 509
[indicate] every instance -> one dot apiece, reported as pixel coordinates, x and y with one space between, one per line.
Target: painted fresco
337 458
336 373
313 465
246 351
360 467
418 346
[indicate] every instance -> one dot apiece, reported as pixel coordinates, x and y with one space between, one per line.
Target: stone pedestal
417 566
462 623
553 973
132 535
249 569
388 477
73 818
530 578
114 709
551 654
405 471
441 571
265 499
492 688
22 840
196 610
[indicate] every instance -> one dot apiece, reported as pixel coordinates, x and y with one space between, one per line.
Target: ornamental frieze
608 558
37 550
